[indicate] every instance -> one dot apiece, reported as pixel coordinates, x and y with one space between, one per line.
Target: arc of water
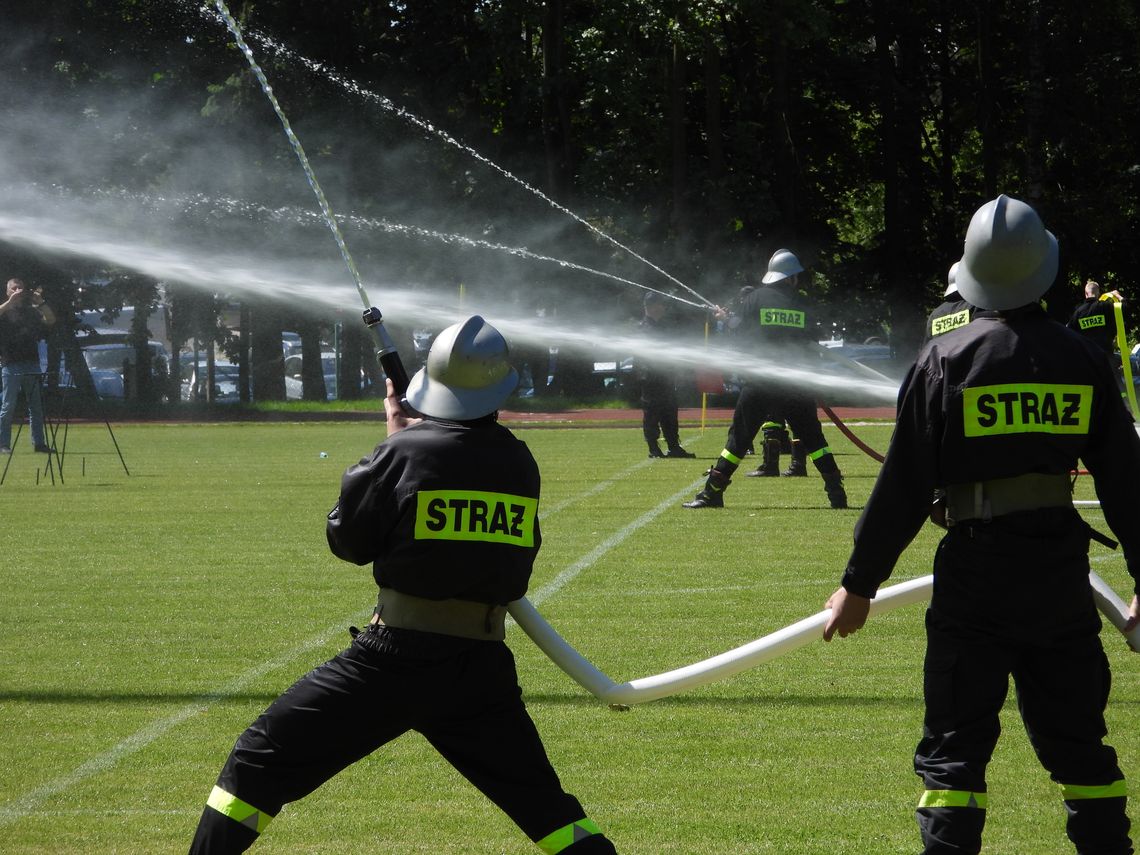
385 347
388 105
757 652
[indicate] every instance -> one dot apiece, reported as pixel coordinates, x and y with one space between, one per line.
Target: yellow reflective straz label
782 318
945 323
475 515
1027 408
1093 321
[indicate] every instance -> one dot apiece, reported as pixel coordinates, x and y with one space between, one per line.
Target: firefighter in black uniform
954 312
446 511
1095 317
997 413
658 387
774 321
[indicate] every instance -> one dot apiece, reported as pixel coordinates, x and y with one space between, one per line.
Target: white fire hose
763 649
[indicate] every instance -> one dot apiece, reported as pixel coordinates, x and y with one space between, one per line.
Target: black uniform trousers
1012 597
659 414
760 403
462 695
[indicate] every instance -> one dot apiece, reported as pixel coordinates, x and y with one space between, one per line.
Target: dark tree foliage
702 134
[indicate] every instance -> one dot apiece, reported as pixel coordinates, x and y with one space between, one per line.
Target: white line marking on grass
600 487
18 808
717 589
566 576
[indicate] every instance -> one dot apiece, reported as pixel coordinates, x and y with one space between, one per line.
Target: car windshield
112 357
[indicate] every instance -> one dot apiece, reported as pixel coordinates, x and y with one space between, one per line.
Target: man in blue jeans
24 322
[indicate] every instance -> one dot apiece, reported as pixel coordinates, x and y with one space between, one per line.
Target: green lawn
146 620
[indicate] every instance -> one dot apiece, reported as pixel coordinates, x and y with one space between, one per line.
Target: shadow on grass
32 696
751 700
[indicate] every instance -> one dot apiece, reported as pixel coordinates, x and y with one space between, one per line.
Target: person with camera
24 321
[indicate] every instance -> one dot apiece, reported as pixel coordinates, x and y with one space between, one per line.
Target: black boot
678 451
655 450
798 466
712 496
770 464
833 486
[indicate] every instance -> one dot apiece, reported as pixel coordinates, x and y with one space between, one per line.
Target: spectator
24 322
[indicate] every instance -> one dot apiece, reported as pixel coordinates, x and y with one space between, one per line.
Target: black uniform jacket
948 316
656 380
1010 393
1096 319
443 510
775 323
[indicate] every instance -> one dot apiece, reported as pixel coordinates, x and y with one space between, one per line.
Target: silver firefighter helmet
467 374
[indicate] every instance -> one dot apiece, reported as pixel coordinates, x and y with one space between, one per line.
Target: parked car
107 363
227 388
293 375
293 384
290 343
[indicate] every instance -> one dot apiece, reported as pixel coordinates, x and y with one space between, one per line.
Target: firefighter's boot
712 496
655 450
798 466
770 462
833 486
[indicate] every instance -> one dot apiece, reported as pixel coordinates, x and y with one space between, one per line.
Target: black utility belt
984 500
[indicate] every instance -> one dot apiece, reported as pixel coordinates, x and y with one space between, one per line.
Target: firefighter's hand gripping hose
763 649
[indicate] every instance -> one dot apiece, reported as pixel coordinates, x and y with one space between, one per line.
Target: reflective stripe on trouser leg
568 835
1075 792
816 455
953 798
730 457
951 821
240 812
1097 817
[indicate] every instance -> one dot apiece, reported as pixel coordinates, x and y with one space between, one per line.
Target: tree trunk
555 106
267 363
312 368
679 219
714 134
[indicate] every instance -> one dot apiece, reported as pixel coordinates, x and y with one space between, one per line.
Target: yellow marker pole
462 294
1125 362
705 395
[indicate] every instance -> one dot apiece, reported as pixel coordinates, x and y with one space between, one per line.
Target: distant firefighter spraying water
775 323
446 512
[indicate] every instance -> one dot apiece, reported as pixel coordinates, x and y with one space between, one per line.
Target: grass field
146 620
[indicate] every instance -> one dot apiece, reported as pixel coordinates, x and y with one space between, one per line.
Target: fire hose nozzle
372 316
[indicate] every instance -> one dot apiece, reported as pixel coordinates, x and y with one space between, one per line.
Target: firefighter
1095 316
997 412
954 312
446 512
658 387
775 323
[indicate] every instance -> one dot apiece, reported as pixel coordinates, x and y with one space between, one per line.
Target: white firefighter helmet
781 265
466 375
951 280
1009 258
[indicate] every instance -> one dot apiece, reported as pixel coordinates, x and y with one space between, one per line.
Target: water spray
385 347
388 105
